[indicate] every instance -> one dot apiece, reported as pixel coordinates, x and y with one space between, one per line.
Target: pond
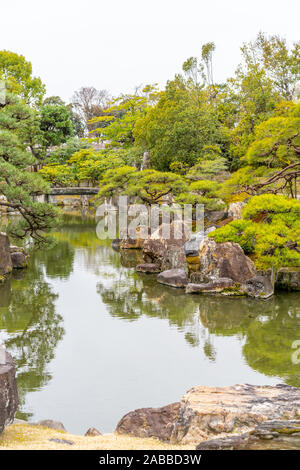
93 339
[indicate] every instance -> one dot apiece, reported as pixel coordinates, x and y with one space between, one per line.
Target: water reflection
267 329
33 317
31 327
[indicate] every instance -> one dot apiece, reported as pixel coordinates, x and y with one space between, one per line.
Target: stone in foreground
271 435
207 411
8 392
150 422
149 268
173 278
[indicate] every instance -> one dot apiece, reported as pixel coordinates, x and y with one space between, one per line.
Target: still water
92 339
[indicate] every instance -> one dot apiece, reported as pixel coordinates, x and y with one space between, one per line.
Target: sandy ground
27 437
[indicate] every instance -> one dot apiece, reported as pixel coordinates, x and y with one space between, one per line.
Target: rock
192 249
93 432
271 435
150 422
137 242
235 210
207 411
62 441
8 392
212 217
214 286
192 246
149 268
167 252
5 256
259 287
219 260
288 279
146 161
116 243
131 243
50 423
19 260
173 278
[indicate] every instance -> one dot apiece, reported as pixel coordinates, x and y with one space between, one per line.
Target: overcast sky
118 44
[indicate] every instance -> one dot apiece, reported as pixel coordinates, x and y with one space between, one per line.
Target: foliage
17 73
150 186
56 124
202 192
179 126
269 230
17 185
64 152
118 120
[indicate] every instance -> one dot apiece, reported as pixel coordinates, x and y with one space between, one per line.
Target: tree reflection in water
267 329
30 325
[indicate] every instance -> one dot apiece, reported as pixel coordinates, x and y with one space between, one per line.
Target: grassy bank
27 437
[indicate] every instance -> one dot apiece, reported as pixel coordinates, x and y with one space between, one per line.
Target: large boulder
260 286
173 277
165 246
19 260
150 422
8 390
288 279
5 256
206 412
219 260
271 435
213 217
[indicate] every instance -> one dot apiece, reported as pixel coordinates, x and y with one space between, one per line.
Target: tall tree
16 71
18 185
88 103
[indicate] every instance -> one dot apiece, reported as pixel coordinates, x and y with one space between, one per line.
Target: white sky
118 44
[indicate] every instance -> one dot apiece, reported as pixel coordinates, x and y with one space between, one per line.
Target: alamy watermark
296 354
123 220
2 92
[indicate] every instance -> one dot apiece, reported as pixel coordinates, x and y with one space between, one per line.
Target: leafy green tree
150 186
18 185
202 192
118 120
269 231
179 126
57 175
281 63
16 71
55 124
64 152
210 166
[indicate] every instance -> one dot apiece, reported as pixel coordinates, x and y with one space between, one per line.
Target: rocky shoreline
207 418
202 266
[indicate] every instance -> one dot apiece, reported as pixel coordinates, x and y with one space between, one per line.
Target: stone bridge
74 191
69 196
